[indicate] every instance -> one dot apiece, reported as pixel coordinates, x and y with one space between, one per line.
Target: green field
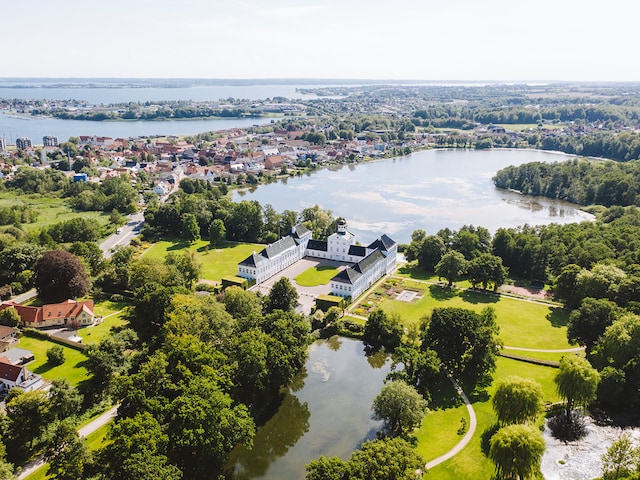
111 313
72 369
217 262
438 432
50 209
315 276
522 323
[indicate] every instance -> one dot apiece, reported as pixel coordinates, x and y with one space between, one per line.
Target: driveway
307 295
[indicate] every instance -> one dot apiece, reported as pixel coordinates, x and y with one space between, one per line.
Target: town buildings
22 143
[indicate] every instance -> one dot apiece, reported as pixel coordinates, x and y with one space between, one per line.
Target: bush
568 428
55 355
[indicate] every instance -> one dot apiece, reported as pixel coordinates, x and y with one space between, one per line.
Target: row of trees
578 181
204 213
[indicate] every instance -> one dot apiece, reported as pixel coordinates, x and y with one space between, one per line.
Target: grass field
72 369
217 262
111 313
50 209
522 323
316 276
439 428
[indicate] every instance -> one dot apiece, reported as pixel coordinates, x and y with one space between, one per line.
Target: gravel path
473 423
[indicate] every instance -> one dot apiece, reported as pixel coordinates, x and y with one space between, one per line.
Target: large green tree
282 296
486 270
516 451
466 342
382 330
589 321
451 266
400 406
387 459
517 400
576 381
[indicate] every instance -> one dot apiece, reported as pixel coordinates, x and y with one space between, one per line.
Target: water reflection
272 440
327 411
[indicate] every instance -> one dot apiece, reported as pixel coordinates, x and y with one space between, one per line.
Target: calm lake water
327 411
12 127
429 190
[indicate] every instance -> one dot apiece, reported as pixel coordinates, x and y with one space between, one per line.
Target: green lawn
111 313
316 276
72 369
439 428
217 262
50 209
522 323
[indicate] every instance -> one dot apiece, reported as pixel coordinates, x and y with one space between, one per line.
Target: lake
429 190
326 411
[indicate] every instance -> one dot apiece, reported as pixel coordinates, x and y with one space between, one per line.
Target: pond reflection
326 411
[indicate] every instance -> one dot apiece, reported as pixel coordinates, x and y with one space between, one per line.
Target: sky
504 40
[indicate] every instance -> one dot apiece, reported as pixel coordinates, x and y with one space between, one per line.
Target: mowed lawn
522 323
72 369
112 317
314 276
438 432
217 262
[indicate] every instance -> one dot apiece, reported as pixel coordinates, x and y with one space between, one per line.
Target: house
367 264
274 162
17 376
69 313
161 188
8 337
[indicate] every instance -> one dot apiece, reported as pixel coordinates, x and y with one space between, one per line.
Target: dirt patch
530 292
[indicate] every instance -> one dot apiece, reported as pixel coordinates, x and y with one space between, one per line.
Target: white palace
366 264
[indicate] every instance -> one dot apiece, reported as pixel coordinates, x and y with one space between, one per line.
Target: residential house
17 376
8 337
69 313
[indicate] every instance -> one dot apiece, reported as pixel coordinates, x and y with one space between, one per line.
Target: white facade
368 263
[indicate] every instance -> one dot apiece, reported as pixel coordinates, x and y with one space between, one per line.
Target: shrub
55 355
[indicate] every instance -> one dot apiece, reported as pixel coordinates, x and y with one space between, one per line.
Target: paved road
127 232
88 429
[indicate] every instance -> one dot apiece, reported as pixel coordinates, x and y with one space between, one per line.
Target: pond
428 190
326 411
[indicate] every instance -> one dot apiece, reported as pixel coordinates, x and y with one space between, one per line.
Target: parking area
307 295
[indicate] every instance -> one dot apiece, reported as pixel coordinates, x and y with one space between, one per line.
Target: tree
487 270
451 266
333 468
466 342
217 232
516 451
9 317
576 381
283 296
400 406
137 450
116 218
387 459
621 459
517 400
382 330
190 229
55 355
60 275
65 401
566 287
203 427
67 454
431 252
27 412
588 322
6 468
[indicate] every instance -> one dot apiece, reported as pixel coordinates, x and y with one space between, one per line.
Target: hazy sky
361 39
